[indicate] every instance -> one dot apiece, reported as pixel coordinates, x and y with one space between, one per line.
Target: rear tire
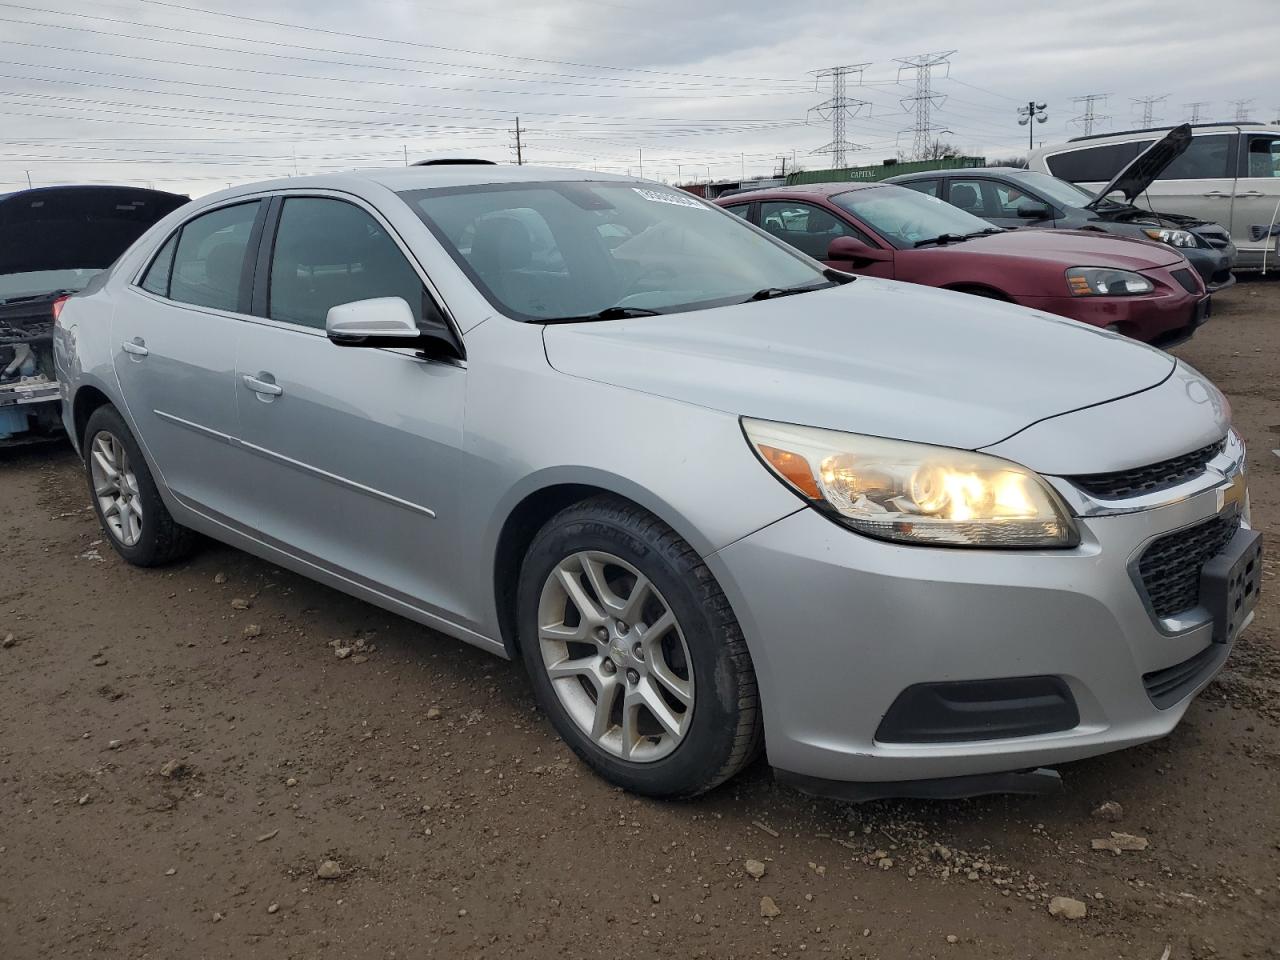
653 685
124 495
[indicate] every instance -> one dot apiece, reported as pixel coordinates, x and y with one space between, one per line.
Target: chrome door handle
1250 193
136 346
1217 194
262 386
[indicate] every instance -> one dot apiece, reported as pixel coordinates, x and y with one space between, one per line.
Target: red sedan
1147 291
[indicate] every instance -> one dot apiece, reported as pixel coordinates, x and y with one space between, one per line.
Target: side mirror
385 322
1034 211
853 249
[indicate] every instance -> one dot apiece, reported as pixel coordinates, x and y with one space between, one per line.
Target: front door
173 338
352 451
810 229
1257 196
1200 183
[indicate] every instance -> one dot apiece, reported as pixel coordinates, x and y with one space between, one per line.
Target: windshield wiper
944 238
771 293
608 313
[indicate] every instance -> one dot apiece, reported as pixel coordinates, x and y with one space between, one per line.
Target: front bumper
1163 317
1213 264
839 625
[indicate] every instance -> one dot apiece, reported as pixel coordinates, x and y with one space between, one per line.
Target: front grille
1218 238
1170 567
1154 476
1187 280
1166 687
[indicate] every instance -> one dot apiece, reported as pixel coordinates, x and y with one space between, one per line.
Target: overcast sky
190 95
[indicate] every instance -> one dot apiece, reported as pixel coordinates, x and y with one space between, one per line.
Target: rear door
350 452
1257 194
173 336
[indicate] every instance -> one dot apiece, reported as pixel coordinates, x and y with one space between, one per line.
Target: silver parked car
916 542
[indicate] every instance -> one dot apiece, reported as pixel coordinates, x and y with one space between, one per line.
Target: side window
157 277
1205 159
329 252
974 196
742 210
807 228
1262 158
1090 164
1009 198
208 263
928 187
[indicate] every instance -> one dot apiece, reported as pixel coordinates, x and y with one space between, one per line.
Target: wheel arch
87 399
533 507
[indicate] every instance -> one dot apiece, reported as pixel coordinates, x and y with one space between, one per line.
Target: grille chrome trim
1151 478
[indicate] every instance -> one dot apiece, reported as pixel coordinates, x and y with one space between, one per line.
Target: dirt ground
471 831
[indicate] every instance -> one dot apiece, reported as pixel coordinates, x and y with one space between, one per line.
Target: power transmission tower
1088 114
1196 108
925 99
1032 111
1148 105
518 146
837 109
1242 109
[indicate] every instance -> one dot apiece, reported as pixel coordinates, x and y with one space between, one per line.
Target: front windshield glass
556 250
1052 189
907 217
37 282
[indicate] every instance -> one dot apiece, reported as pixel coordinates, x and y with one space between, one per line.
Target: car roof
421 178
809 189
1224 126
958 172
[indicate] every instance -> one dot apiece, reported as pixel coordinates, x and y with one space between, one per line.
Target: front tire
125 497
634 652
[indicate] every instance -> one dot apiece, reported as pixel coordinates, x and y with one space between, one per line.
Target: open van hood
1139 173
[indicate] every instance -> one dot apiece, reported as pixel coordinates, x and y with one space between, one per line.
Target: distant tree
940 148
1020 162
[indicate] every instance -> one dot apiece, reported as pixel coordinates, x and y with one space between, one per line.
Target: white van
1230 173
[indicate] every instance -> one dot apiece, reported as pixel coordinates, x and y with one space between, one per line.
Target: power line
1088 114
1243 109
923 102
1148 105
837 109
1195 109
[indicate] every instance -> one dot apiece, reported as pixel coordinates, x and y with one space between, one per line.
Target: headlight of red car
1105 282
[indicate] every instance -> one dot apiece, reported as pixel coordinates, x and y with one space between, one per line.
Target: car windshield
1052 189
15 286
908 218
576 249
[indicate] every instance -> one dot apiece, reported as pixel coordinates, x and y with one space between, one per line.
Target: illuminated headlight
1175 238
913 492
1105 282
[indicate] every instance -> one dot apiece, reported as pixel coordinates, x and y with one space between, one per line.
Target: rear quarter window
1089 164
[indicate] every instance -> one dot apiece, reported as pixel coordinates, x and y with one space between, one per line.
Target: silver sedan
716 497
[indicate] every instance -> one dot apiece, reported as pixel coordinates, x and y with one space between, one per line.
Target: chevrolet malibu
716 497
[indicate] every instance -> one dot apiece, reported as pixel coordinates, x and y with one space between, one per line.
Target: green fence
882 171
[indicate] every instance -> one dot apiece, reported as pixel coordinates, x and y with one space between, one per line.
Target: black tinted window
1205 159
1263 156
742 210
927 187
329 252
1088 164
209 263
157 279
805 227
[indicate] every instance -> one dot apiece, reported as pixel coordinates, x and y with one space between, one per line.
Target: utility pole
1088 113
520 145
1196 109
1243 109
406 154
1148 105
1032 111
641 163
925 100
28 172
838 108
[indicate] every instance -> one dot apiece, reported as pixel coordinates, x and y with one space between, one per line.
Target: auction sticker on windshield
658 196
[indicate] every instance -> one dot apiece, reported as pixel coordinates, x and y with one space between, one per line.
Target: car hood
1138 174
874 357
1070 248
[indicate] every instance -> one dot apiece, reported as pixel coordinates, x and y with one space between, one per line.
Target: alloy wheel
116 487
616 656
